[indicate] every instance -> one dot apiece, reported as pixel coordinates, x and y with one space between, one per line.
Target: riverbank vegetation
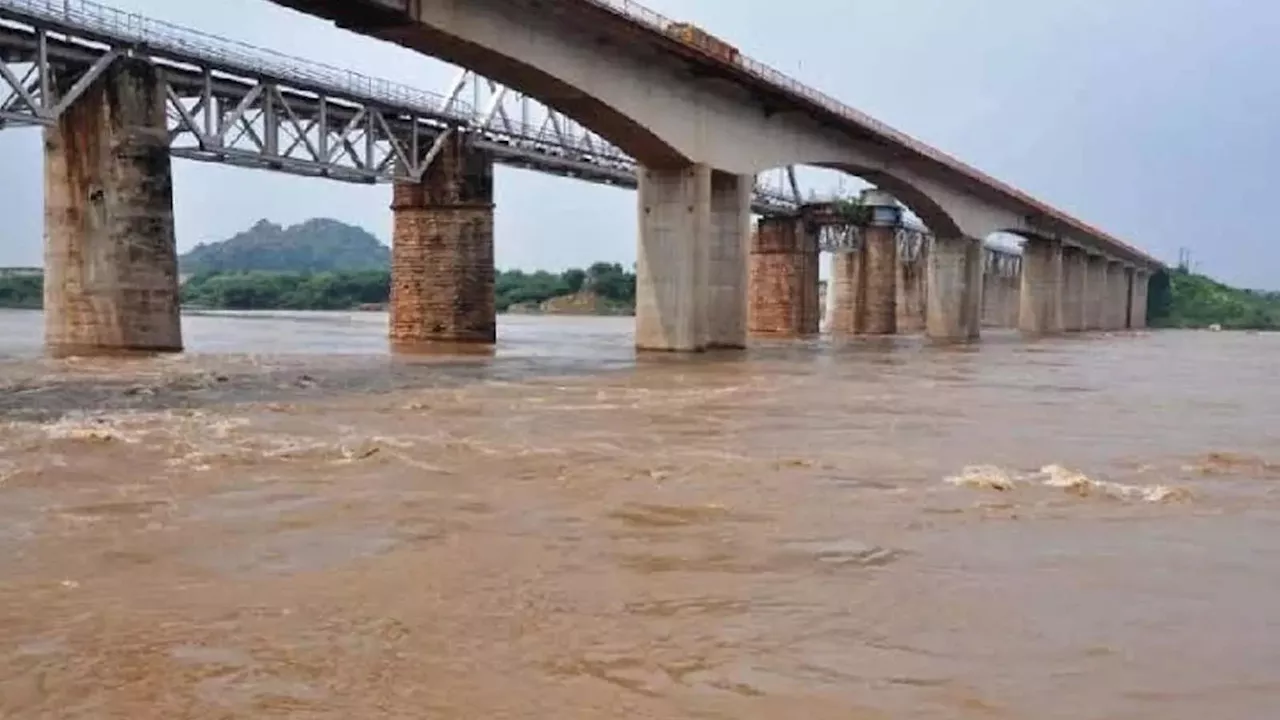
1183 299
323 264
515 290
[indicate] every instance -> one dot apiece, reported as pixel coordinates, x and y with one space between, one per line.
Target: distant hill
317 245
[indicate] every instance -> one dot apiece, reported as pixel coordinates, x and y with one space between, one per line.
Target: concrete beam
111 268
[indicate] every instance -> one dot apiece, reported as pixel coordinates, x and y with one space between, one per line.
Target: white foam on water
991 477
1080 484
984 477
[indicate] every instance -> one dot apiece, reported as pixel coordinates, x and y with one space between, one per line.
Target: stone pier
111 268
954 295
783 286
844 310
911 288
878 305
1075 268
1040 300
1096 293
442 252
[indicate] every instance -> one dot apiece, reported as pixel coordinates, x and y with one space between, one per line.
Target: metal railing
121 27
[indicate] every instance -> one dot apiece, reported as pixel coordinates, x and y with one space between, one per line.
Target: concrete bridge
632 99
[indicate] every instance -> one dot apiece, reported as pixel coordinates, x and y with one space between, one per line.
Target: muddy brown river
289 522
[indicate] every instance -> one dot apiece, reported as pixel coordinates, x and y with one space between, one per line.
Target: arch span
458 38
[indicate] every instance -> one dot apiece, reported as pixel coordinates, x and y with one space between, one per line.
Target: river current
287 521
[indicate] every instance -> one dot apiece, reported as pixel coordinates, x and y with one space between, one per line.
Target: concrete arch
498 43
935 217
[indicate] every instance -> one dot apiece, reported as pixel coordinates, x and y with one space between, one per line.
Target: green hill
317 245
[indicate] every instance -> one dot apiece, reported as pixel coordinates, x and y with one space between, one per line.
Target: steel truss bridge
232 103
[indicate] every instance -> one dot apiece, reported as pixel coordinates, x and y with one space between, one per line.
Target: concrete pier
783 285
911 288
729 247
878 304
1138 303
111 268
844 309
1116 297
954 295
442 252
1074 284
1040 300
1096 293
673 258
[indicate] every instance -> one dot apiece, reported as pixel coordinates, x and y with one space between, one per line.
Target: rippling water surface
289 522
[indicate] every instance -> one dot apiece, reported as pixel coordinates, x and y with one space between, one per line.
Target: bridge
118 94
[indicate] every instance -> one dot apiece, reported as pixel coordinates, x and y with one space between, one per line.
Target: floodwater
289 522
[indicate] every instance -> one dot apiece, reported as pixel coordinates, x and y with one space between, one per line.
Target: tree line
1176 299
344 290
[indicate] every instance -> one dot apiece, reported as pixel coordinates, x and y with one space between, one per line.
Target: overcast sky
1158 120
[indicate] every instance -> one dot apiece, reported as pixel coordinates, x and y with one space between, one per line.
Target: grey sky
1158 120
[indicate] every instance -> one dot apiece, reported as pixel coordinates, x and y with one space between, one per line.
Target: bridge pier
730 238
1000 289
691 271
845 307
111 265
1040 299
1116 297
911 289
783 296
1138 300
953 298
442 270
1095 298
878 290
1074 288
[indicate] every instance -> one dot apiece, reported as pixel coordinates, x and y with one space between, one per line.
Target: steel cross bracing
233 103
912 242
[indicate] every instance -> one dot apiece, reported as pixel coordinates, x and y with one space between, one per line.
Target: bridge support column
845 308
783 296
691 269
911 288
1040 298
1096 293
442 252
1138 301
1117 299
111 268
1074 287
730 240
878 290
954 294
